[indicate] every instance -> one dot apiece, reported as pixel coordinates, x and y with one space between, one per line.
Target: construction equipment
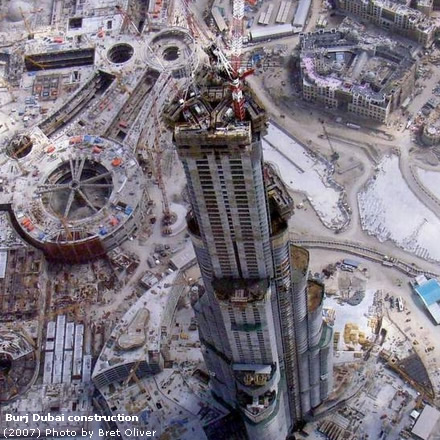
127 20
36 63
169 217
335 155
133 375
27 25
233 69
132 372
5 83
180 282
195 29
63 220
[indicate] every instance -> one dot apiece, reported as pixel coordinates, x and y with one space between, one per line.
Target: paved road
410 175
364 252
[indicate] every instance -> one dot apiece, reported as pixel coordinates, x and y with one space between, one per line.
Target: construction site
98 276
359 73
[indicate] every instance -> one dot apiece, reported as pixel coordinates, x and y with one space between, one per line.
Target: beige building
363 76
395 17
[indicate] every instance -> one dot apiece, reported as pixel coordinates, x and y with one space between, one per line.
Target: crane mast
169 217
190 20
127 19
237 46
237 33
232 67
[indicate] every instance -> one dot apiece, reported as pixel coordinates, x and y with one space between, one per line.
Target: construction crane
171 80
133 375
26 25
63 220
169 217
180 282
147 28
140 384
233 68
335 155
14 388
5 83
22 148
127 19
117 75
22 145
23 170
36 63
122 87
237 33
132 372
194 31
237 49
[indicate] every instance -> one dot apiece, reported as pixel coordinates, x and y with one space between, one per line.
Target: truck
350 262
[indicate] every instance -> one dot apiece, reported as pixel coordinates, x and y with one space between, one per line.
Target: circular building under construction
174 50
77 198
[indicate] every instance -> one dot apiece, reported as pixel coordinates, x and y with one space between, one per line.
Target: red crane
237 47
191 21
233 68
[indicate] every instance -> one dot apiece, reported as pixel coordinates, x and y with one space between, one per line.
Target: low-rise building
361 74
396 17
429 293
427 424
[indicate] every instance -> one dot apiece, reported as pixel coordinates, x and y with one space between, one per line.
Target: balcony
255 380
256 409
239 291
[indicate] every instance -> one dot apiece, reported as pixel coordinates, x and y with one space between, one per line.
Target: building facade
359 74
260 323
395 17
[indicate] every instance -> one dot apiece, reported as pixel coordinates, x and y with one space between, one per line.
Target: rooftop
429 292
349 60
426 423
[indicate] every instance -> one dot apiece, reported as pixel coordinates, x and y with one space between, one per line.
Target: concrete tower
260 322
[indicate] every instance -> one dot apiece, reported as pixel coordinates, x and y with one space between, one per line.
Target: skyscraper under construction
264 342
